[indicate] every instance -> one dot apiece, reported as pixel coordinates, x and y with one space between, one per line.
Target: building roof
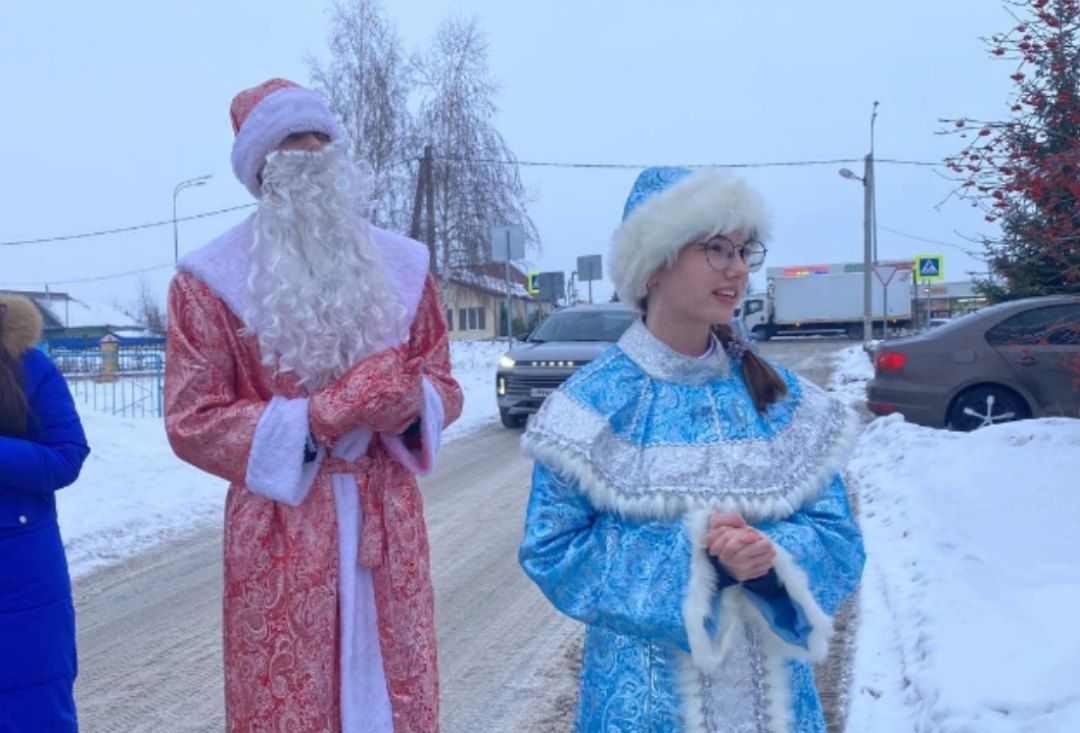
61 311
481 277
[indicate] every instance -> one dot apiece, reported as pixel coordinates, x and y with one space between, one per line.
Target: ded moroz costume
328 601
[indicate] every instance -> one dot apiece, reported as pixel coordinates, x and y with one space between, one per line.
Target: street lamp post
190 183
867 180
869 229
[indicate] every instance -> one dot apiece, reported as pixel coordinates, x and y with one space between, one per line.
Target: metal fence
127 382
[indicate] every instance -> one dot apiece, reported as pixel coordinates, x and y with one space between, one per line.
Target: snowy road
149 629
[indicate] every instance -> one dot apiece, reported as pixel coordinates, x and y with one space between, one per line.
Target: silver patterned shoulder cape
651 433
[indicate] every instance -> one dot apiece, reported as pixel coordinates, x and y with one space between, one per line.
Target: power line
641 166
161 267
120 230
479 161
92 279
897 161
923 239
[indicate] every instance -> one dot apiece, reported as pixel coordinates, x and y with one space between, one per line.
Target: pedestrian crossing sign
533 287
929 268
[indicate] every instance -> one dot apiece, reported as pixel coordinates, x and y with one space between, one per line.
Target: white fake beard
317 297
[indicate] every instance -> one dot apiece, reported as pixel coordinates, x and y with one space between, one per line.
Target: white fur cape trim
662 481
224 265
704 203
282 113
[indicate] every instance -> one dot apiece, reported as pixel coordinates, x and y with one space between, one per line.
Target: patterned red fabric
246 100
281 563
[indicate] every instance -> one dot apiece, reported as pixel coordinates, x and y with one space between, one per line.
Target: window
449 319
469 319
1054 324
584 325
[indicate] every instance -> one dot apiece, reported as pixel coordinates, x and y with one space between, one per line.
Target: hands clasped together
382 392
744 552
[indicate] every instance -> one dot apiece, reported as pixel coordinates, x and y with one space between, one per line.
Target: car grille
517 384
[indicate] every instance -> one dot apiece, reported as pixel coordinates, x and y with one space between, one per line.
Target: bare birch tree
148 310
477 185
367 82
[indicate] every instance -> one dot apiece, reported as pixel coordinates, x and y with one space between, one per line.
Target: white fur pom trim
705 202
280 114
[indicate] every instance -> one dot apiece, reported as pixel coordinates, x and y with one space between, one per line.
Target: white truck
827 299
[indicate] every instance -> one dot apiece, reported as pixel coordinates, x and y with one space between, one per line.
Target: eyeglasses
720 253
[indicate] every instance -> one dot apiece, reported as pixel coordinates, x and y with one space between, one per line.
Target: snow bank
968 617
852 369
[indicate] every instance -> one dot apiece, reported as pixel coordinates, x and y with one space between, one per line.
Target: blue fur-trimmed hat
670 207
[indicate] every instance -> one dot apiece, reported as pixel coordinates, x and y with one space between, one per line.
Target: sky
112 104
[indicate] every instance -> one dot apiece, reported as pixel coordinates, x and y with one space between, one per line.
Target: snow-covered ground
968 604
973 541
134 493
852 369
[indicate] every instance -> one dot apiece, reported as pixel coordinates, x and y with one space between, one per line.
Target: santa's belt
372 529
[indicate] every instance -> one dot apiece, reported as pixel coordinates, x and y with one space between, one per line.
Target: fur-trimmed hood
20 325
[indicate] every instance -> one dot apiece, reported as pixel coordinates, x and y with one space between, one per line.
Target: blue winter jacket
50 456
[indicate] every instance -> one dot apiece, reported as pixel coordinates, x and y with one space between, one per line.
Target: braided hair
765 384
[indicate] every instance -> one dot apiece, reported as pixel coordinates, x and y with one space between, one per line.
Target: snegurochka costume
634 453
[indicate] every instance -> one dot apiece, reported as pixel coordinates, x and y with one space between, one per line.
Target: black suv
564 342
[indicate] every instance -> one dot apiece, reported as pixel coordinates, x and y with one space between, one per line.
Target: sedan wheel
981 406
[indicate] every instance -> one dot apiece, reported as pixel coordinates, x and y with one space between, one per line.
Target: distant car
1008 361
565 341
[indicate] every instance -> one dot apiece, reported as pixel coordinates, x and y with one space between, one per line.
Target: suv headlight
506 362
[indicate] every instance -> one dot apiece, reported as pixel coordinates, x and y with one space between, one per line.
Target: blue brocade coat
632 456
37 618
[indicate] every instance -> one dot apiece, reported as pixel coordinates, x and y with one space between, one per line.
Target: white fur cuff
432 416
797 586
707 649
276 467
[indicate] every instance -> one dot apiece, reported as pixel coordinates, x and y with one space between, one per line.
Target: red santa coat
292 624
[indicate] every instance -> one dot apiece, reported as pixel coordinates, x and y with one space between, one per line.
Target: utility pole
424 195
509 303
429 184
869 232
868 240
870 186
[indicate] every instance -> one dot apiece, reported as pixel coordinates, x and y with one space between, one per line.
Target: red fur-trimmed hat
265 115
